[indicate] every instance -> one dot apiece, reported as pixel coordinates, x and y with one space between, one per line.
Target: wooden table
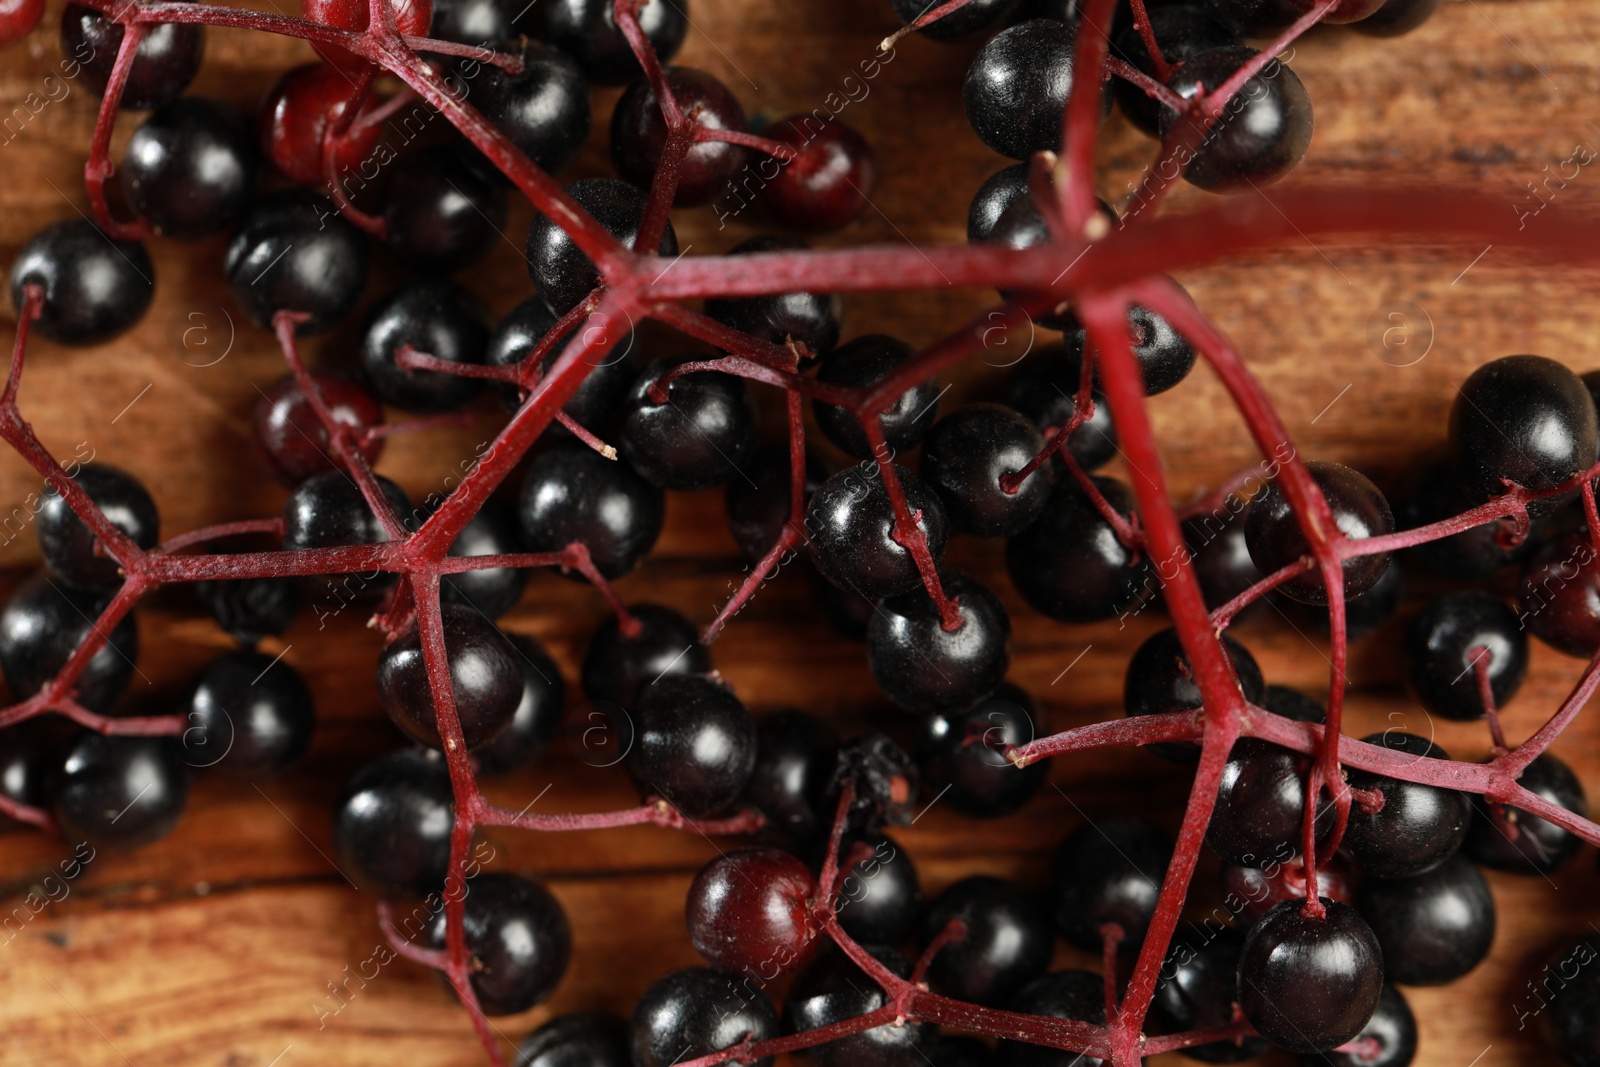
219 945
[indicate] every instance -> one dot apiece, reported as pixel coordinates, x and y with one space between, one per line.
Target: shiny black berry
492 591
1198 989
1260 812
485 676
440 213
578 1040
618 666
518 941
249 715
1388 1040
923 667
1434 927
587 31
702 434
880 899
1160 681
392 823
1260 135
538 716
992 199
43 624
544 110
328 511
191 168
694 1012
862 363
294 252
67 543
561 271
1182 31
1309 983
164 64
572 493
639 135
969 457
695 744
1017 87
795 755
851 524
94 288
1007 944
1272 531
604 383
121 792
1459 635
963 755
1522 421
435 317
1070 564
834 989
1509 839
1044 387
1108 871
1417 828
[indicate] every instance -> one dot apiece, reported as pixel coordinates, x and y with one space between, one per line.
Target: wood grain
220 944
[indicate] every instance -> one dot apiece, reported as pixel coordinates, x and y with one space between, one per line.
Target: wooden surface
217 946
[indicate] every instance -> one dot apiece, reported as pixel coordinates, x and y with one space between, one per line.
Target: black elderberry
1160 681
862 363
1272 531
923 667
701 434
1257 138
810 319
694 745
120 792
1434 927
533 725
1108 871
191 168
70 547
439 213
963 755
605 381
295 252
587 30
834 989
434 317
485 677
571 493
970 458
1071 565
518 939
1459 635
164 64
1417 828
851 524
392 824
249 714
618 665
43 624
1017 87
1007 944
94 288
561 271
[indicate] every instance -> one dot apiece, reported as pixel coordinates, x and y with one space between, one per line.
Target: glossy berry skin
391 825
1558 597
924 668
43 624
810 319
1251 892
702 435
1260 812
1164 355
291 440
572 493
1437 494
835 989
694 745
604 384
18 19
1272 531
1433 927
1198 988
1182 31
759 504
1219 554
1568 1021
327 511
587 31
880 898
479 22
544 110
1310 984
1392 1030
1108 872
1446 644
164 64
1396 18
1522 421
295 253
965 458
518 941
485 676
1022 226
94 288
1509 839
865 362
1044 387
191 168
31 755
437 318
827 185
249 715
249 609
617 667
440 213
1079 995
577 1040
1257 18
992 199
1418 827
795 756
294 120
749 912
851 522
1258 139
561 271
120 792
1160 682
1017 87
963 22
696 1011
966 751
639 135
1070 565
493 591
68 543
538 716
1008 942
412 17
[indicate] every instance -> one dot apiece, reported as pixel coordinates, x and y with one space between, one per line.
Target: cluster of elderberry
1337 890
